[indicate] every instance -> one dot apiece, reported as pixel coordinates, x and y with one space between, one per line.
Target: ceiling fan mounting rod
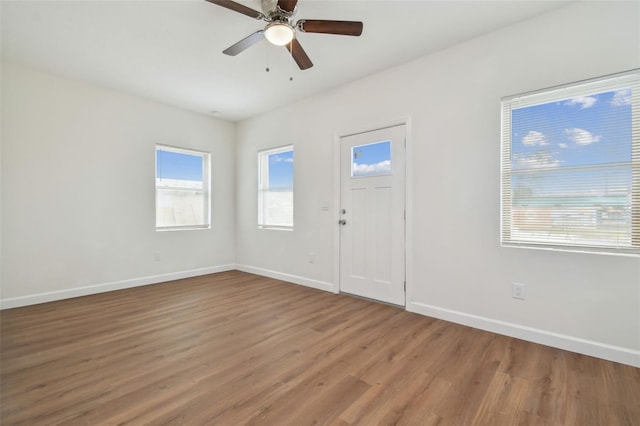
279 15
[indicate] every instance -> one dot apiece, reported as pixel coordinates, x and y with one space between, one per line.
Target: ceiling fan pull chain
291 61
266 51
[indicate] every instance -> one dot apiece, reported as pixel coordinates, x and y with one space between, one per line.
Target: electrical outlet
156 256
312 258
517 291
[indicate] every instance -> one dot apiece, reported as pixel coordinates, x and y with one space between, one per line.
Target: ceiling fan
281 29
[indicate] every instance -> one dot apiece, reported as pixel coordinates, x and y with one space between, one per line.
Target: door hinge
405 286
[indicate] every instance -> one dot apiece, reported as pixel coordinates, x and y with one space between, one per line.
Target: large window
182 188
275 188
571 166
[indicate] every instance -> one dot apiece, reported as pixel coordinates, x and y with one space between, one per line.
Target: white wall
78 189
583 302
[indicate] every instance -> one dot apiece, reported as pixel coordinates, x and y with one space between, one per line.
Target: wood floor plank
236 348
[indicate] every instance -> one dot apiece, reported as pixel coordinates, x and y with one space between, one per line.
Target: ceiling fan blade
299 55
237 7
287 5
244 44
352 28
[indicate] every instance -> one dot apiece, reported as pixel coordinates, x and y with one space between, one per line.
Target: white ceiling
171 51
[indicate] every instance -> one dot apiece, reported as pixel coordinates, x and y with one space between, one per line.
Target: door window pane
371 159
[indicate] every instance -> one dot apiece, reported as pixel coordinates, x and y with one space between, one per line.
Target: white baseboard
556 340
320 285
15 302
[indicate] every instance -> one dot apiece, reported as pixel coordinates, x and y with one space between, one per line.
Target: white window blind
571 167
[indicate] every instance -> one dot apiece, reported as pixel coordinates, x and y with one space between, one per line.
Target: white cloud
281 159
621 98
368 169
581 136
534 138
537 160
563 145
583 101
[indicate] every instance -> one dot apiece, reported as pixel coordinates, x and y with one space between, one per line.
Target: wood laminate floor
235 348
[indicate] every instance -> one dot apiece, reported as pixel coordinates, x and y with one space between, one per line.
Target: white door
372 214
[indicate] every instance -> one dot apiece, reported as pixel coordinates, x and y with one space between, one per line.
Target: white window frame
206 185
263 187
587 87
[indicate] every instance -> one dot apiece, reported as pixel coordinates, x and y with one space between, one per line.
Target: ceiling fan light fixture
279 34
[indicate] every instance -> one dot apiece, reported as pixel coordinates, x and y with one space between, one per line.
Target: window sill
276 228
184 228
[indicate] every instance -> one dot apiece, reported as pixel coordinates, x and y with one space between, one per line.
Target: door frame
408 200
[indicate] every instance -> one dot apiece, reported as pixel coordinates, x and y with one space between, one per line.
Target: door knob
342 222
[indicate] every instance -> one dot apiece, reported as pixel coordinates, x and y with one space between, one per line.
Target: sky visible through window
176 165
281 171
571 176
562 139
371 159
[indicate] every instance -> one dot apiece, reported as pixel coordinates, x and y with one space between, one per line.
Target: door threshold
368 299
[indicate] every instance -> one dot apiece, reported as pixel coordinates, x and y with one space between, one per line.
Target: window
182 188
275 188
371 159
571 167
